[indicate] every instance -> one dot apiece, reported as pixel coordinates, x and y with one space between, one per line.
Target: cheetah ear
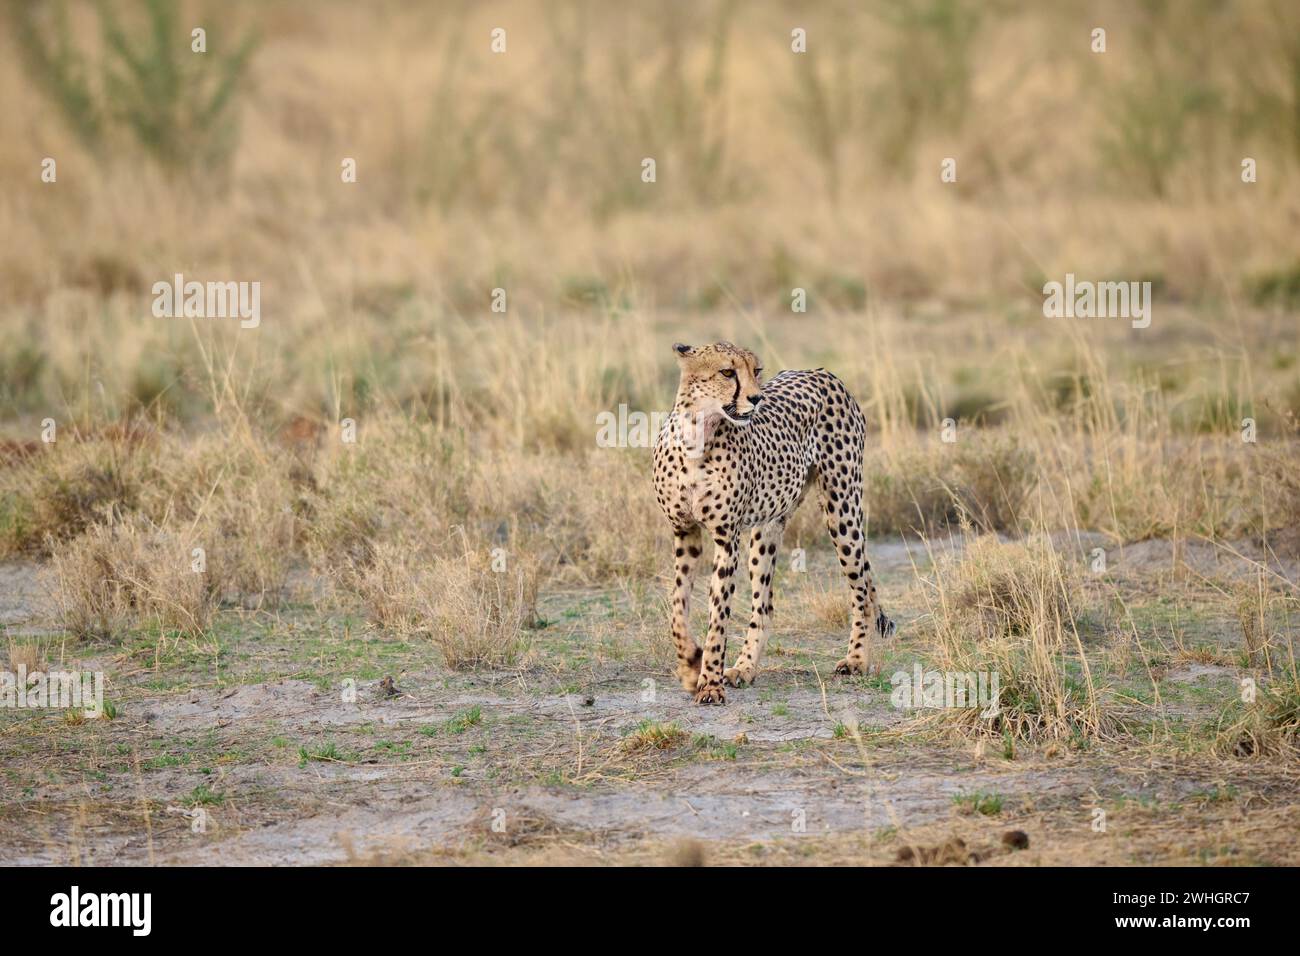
682 350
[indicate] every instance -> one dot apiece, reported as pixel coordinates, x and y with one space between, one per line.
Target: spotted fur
737 456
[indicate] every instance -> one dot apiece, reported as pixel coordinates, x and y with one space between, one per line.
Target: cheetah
737 455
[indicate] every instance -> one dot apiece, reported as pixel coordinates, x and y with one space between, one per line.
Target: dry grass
1267 727
931 488
1007 589
478 614
1011 608
829 606
29 654
748 136
1277 522
486 473
1265 720
126 573
475 607
653 736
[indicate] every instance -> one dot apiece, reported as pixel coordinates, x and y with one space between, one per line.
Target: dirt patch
334 814
1240 561
22 595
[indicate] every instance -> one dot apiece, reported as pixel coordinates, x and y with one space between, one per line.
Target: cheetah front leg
708 688
687 556
762 558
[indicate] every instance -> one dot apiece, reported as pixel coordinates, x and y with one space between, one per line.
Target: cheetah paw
710 694
857 666
740 675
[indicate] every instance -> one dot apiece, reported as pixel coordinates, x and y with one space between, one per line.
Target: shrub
54 492
176 105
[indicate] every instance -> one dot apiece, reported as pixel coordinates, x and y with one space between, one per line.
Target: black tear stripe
735 399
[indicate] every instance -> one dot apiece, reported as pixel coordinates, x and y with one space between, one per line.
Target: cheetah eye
757 372
728 373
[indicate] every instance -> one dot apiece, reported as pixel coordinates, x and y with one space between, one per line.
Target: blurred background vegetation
521 170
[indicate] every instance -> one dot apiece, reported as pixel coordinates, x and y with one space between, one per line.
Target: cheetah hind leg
762 558
868 620
858 662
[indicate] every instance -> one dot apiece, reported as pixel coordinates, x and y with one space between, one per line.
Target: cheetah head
719 380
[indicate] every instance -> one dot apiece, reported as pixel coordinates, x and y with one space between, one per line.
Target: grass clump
204 796
128 573
986 804
650 735
324 753
475 614
1265 719
1268 726
1009 609
464 720
481 613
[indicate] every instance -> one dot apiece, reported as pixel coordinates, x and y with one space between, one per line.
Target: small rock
1016 839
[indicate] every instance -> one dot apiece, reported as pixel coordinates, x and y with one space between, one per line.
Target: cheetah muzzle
738 456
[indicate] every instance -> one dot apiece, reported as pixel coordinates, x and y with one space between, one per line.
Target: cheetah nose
755 399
